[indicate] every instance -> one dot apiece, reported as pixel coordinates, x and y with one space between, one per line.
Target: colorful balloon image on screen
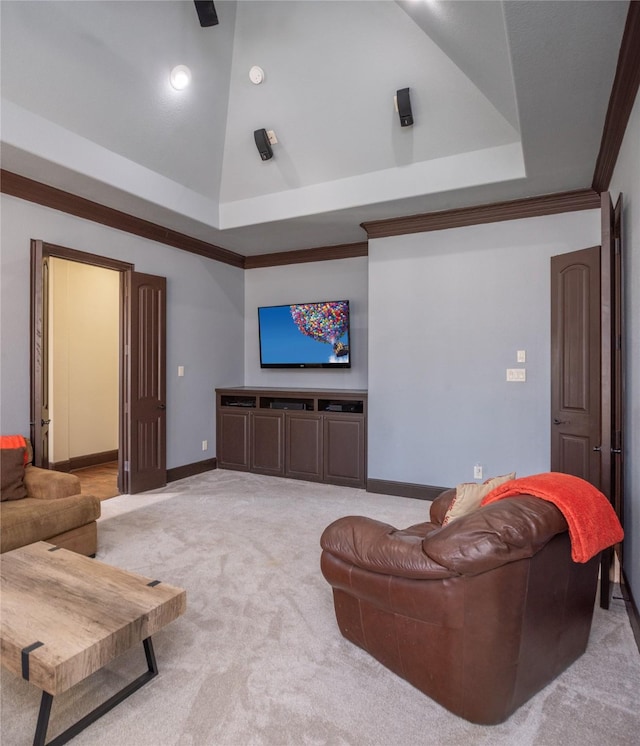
324 322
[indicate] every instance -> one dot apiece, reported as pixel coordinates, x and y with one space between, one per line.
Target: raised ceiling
509 101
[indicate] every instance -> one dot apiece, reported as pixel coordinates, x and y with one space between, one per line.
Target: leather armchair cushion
486 539
381 548
509 530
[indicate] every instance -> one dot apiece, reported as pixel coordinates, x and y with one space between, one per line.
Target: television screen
305 335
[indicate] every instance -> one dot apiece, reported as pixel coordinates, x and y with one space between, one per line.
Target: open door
575 364
145 405
613 379
41 353
587 366
618 364
142 447
39 363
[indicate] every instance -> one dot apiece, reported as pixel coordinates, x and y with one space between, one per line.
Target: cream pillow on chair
469 496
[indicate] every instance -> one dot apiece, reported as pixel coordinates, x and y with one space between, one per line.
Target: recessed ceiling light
180 77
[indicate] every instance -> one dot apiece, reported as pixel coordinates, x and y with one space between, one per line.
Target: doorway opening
84 347
141 407
78 361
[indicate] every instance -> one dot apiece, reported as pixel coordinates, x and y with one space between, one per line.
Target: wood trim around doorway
39 347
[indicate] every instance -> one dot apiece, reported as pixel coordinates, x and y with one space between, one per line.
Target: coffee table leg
43 719
67 735
151 657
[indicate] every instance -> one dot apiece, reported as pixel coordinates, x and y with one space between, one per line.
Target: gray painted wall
205 320
436 319
626 179
344 279
447 312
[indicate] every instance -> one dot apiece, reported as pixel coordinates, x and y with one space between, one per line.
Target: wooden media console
315 434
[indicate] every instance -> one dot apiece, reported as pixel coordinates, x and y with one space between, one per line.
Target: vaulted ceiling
509 101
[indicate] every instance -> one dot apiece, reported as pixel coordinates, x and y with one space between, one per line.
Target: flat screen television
305 335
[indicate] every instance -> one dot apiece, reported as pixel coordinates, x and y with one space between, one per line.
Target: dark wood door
146 387
587 366
39 405
575 364
232 440
303 439
618 367
344 453
612 379
267 443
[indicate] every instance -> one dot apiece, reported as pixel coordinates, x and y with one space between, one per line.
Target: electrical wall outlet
477 471
516 374
205 445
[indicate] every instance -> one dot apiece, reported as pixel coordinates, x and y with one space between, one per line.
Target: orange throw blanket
593 524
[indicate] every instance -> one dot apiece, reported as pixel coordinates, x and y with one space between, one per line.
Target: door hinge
616 244
619 342
126 466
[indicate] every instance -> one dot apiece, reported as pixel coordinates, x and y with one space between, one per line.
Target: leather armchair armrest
45 484
441 504
381 548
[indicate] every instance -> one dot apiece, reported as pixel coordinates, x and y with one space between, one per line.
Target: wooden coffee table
64 616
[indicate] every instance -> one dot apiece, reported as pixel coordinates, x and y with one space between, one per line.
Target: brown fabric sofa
479 614
53 511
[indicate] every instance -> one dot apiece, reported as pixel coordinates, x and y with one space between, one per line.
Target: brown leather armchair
479 614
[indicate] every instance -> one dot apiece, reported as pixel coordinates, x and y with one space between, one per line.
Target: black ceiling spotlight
206 13
262 143
403 107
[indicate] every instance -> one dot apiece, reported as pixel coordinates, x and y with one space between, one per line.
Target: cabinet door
232 442
344 452
267 443
304 446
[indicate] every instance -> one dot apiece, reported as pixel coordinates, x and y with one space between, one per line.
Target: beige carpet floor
257 660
